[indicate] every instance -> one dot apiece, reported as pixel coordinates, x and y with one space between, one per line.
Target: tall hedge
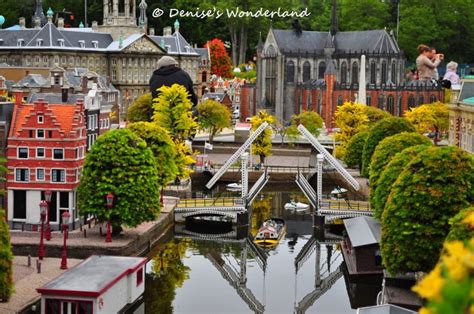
6 260
389 176
387 148
354 150
434 187
382 129
462 225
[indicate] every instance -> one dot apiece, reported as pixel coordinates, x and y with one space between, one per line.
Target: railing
329 204
271 169
209 202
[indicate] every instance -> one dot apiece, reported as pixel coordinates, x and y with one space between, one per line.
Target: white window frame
27 153
52 154
44 174
44 152
27 176
58 169
37 133
40 119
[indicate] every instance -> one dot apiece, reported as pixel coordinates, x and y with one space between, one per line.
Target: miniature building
46 149
100 284
361 248
461 116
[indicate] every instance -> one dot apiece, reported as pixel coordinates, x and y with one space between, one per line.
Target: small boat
270 233
292 205
338 193
234 186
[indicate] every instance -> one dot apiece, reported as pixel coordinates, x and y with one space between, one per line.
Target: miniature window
95 44
40 133
58 175
61 42
82 43
40 119
58 153
22 175
39 42
20 42
40 174
22 152
40 152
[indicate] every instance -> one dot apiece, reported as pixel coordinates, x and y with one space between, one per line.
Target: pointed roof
175 44
330 67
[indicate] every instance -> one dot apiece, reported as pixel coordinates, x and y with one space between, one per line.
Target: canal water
210 269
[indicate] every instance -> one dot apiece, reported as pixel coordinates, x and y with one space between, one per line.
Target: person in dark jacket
167 74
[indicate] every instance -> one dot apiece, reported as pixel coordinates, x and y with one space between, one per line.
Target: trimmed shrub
354 150
462 225
390 175
382 129
387 148
433 187
6 259
375 114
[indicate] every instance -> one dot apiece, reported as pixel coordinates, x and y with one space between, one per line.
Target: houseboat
99 284
270 233
298 206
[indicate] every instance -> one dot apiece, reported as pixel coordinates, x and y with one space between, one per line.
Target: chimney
151 31
37 23
22 23
18 94
95 26
64 94
167 31
60 23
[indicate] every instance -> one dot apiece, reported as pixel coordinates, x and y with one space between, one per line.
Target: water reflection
220 270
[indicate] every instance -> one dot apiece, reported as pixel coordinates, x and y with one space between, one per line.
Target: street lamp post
65 225
43 207
110 204
47 197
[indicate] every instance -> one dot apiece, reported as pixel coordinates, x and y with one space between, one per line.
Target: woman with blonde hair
426 67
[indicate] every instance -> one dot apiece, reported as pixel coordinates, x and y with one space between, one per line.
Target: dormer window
20 42
187 48
1 41
95 44
82 43
61 42
168 47
39 42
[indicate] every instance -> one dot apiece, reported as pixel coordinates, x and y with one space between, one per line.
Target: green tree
6 260
120 163
382 129
462 225
354 150
363 14
309 119
350 118
262 145
141 109
375 114
390 175
429 117
162 146
213 116
172 111
432 188
386 150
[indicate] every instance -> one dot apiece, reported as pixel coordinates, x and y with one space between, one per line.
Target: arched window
321 69
393 77
384 72
355 73
380 101
306 71
290 72
391 104
344 73
411 101
421 100
433 99
340 100
400 109
372 72
369 100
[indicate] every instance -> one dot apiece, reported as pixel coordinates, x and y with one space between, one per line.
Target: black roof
370 41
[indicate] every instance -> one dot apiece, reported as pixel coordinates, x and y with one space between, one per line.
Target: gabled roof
203 52
175 44
118 45
363 230
54 98
33 80
371 41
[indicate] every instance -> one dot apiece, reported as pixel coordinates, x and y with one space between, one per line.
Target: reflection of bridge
324 278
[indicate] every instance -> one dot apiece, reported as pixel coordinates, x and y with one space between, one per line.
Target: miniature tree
351 119
432 188
389 175
141 109
382 129
354 150
462 225
311 120
120 163
263 143
387 148
163 148
6 259
221 64
429 117
213 116
375 114
172 111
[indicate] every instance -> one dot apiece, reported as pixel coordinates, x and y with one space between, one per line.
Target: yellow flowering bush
449 287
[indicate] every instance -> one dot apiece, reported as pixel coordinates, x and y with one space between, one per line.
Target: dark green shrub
387 148
6 259
389 175
433 187
382 129
462 225
354 150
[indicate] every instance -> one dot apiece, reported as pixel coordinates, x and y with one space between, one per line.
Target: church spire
142 20
334 26
39 12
